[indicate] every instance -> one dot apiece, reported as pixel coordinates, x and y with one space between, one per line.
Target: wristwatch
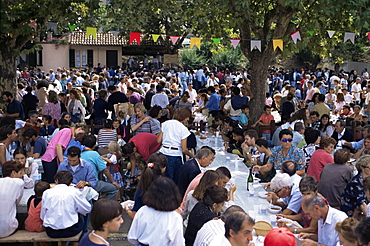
295 231
86 183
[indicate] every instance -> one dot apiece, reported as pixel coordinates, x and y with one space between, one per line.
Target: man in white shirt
327 217
192 93
61 207
160 99
214 227
238 230
356 91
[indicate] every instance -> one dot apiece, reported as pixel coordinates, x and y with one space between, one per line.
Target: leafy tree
227 58
190 59
15 31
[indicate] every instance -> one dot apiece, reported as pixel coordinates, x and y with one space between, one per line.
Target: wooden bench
23 236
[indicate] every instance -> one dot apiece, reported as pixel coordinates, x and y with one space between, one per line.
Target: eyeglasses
277 192
287 140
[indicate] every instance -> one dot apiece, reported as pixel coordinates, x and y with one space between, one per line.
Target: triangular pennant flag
195 41
155 37
235 42
52 25
174 39
72 27
115 33
311 32
256 43
295 36
91 31
350 36
216 40
368 36
33 25
331 33
135 36
278 43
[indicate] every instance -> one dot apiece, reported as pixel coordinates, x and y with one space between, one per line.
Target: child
33 221
265 120
244 117
47 129
106 216
31 171
367 193
112 159
121 131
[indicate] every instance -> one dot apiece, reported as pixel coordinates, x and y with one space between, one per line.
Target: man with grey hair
285 193
238 230
327 217
214 227
194 166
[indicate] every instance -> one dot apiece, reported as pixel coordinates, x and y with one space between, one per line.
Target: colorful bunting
216 40
33 25
235 42
278 43
174 39
52 25
155 37
256 44
72 27
295 36
91 31
115 33
311 32
195 41
331 33
135 36
350 36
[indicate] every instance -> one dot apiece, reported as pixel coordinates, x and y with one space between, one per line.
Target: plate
262 194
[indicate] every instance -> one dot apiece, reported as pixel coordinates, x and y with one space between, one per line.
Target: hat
280 237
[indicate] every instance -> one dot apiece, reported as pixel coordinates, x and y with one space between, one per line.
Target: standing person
157 223
105 217
100 108
75 107
11 190
213 104
53 107
160 99
42 92
14 108
174 137
29 101
115 98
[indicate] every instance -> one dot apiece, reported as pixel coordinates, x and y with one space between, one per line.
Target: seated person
286 188
34 204
64 202
11 188
31 170
47 129
33 121
38 143
263 159
236 146
265 120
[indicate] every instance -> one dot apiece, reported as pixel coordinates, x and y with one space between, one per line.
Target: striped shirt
105 137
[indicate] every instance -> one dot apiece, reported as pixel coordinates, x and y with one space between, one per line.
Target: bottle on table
250 178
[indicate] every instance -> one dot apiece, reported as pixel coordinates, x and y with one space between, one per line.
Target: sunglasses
287 140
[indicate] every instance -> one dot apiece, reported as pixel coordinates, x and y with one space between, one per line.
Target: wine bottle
250 178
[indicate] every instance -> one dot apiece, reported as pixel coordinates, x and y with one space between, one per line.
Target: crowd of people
316 162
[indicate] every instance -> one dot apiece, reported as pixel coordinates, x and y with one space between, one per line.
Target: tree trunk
7 70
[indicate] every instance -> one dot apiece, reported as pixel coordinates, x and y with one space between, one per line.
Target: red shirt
317 163
146 144
266 119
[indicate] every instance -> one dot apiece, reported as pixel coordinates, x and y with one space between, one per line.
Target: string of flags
196 41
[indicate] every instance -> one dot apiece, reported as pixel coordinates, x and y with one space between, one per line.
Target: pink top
317 163
62 137
52 109
194 183
33 221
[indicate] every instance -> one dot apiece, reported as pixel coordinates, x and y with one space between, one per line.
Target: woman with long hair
184 101
53 107
75 107
326 128
141 122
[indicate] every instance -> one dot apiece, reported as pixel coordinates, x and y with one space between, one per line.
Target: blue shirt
214 102
95 159
40 146
243 119
294 154
47 130
84 172
72 143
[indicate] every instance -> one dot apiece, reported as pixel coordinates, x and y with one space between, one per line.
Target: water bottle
227 162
